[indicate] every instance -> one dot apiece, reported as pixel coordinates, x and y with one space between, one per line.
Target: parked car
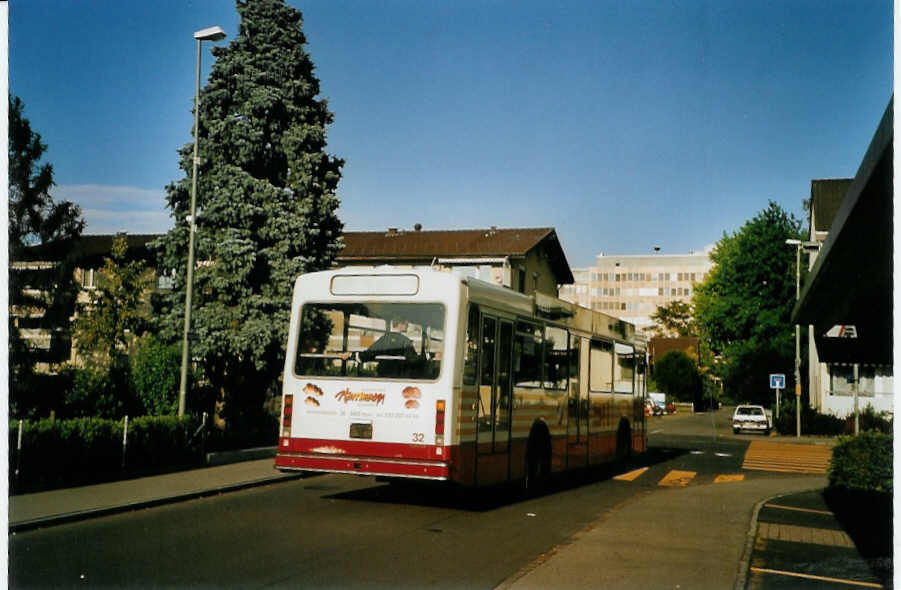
652 408
748 417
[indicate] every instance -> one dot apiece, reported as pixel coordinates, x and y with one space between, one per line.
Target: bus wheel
623 443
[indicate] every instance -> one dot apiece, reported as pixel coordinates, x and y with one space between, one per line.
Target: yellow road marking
632 475
725 478
761 570
787 457
797 509
677 478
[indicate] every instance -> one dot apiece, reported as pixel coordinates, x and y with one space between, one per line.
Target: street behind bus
346 531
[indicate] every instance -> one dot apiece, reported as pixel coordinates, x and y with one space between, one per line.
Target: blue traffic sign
777 381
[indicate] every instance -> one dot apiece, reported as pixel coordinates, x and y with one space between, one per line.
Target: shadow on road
444 495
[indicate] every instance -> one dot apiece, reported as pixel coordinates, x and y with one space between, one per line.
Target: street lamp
208 34
798 244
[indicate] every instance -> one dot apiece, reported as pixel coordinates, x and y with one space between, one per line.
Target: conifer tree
35 219
266 205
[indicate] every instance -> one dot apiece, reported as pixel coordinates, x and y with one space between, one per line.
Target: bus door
578 410
494 404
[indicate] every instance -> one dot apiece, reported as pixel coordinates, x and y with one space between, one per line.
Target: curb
741 577
228 457
58 519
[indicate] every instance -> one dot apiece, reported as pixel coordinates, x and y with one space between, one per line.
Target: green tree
266 201
743 307
677 375
35 219
674 319
115 313
154 374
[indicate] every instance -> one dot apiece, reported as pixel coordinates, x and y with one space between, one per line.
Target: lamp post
798 244
208 34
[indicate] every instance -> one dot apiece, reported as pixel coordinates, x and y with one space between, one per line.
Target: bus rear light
286 413
439 417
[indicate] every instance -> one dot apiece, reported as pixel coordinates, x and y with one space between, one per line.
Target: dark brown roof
411 245
826 197
89 247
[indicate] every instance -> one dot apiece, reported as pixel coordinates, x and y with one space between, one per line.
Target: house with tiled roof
527 260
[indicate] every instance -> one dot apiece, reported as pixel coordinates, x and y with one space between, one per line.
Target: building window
87 278
660 292
522 280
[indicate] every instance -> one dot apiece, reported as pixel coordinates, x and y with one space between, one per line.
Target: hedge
81 451
815 423
862 462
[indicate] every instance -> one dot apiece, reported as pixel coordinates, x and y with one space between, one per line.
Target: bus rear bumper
361 465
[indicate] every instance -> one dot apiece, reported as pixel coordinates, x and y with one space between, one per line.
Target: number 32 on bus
426 374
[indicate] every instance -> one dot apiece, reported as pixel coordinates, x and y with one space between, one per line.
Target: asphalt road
345 531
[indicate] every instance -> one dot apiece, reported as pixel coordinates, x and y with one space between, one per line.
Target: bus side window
471 351
601 366
556 358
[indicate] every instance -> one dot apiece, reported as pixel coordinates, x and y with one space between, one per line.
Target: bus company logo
347 396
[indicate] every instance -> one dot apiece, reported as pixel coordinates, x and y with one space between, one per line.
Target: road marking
761 570
798 509
656 431
677 478
725 478
697 452
723 454
787 457
632 475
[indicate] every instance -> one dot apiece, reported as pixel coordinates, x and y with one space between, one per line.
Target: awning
851 281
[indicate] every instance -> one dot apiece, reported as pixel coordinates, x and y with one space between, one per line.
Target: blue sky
624 125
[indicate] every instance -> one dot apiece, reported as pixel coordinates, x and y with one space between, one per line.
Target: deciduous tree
115 312
674 319
677 375
743 308
266 202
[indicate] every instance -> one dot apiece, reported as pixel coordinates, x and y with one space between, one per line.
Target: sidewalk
28 511
703 537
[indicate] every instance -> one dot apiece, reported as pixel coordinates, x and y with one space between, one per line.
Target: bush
862 462
812 422
815 423
155 369
100 391
870 419
79 451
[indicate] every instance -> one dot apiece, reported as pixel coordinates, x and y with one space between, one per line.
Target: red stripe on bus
366 448
367 465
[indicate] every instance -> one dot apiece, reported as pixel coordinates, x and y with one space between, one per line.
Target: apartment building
632 287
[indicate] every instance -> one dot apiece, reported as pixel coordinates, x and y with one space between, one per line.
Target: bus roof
389 280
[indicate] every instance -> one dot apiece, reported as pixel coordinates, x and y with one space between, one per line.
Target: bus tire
538 459
623 442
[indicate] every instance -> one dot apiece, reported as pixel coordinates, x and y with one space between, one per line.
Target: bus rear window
371 340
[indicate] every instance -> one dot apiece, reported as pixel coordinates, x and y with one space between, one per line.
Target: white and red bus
427 374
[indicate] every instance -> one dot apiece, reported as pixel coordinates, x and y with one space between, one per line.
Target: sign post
777 382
